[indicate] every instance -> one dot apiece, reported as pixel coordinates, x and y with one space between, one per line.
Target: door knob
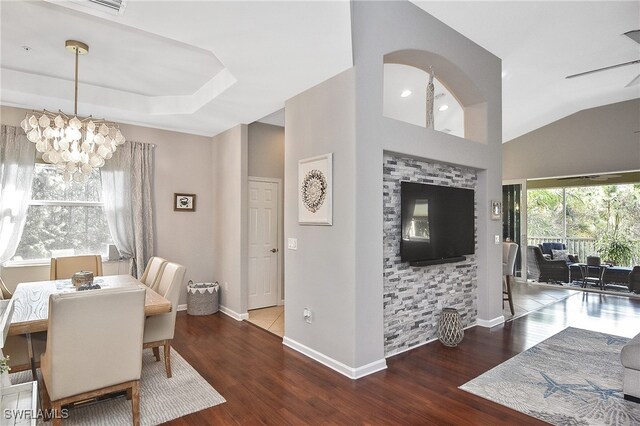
273 250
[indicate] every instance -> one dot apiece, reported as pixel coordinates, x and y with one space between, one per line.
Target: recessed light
443 107
405 93
26 48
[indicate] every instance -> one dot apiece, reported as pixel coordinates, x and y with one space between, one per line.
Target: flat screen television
437 224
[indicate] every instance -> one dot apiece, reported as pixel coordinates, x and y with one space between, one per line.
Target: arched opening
459 107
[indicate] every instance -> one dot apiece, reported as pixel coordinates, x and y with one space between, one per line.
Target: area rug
572 378
161 399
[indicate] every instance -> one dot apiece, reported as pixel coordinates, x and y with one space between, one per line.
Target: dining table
31 304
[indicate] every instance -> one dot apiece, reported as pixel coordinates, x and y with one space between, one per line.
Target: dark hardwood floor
265 382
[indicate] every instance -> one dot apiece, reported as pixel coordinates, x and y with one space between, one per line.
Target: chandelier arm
75 99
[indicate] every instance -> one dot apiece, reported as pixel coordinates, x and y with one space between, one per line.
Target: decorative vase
450 331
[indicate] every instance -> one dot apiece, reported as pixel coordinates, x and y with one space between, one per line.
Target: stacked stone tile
411 294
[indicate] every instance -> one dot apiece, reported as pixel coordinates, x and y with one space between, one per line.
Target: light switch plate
497 239
292 243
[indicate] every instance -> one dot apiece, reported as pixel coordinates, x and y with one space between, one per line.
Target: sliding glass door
514 221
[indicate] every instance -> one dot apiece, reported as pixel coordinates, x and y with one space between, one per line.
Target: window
64 218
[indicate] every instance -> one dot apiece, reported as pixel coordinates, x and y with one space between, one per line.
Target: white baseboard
182 307
350 372
490 323
281 303
233 314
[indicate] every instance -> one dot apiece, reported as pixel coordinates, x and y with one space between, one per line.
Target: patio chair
547 251
634 280
543 270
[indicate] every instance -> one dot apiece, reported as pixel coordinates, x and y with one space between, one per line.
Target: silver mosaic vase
450 331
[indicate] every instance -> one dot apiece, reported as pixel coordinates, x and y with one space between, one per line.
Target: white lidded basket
203 298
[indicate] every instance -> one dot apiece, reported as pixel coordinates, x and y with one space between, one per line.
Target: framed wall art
314 190
184 202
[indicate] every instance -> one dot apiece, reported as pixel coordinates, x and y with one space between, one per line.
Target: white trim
233 314
350 372
281 302
66 203
490 323
182 307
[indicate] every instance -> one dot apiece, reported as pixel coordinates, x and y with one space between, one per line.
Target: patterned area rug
161 399
572 378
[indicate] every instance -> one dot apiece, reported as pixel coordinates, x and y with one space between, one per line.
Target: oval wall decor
314 190
314 186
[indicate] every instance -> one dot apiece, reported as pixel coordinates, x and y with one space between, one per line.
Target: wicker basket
202 298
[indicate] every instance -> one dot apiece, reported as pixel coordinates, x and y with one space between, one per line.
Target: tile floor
271 319
528 297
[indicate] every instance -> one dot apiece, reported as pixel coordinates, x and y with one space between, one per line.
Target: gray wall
319 275
380 28
182 164
266 150
596 140
337 271
229 216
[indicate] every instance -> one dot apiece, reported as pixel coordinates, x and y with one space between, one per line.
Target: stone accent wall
414 296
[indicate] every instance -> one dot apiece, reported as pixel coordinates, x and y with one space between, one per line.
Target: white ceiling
204 66
542 42
193 66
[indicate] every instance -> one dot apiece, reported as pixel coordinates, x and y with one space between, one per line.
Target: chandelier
76 146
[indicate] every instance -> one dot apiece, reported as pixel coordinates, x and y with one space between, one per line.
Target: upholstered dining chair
159 329
509 251
64 267
109 323
153 272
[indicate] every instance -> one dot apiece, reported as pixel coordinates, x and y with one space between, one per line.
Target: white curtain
127 196
17 159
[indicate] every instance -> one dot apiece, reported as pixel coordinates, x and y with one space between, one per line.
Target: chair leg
509 296
156 353
46 403
167 357
57 413
135 402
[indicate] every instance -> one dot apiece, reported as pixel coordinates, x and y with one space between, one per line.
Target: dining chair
64 267
159 329
153 272
509 251
94 347
17 347
4 291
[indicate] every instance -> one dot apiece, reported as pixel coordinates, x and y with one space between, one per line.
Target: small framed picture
184 202
496 210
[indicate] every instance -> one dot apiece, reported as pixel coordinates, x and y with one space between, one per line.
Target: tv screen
437 222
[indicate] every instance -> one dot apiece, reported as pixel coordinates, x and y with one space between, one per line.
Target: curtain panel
17 160
127 185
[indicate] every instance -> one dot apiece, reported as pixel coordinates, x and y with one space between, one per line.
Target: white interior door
263 244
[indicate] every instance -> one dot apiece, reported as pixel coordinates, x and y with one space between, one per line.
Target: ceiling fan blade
610 67
634 81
